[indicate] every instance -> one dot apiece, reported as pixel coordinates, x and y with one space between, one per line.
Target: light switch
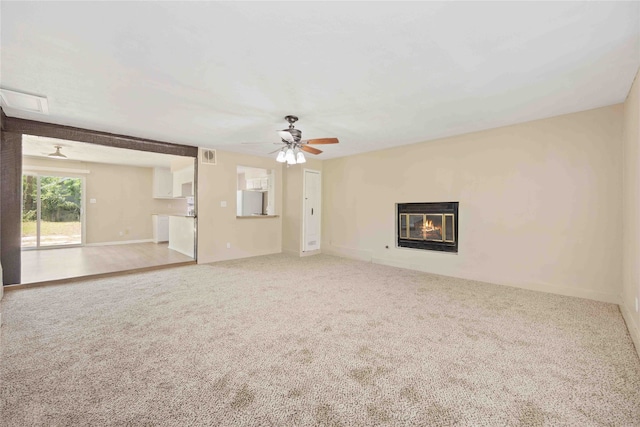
223 204
92 200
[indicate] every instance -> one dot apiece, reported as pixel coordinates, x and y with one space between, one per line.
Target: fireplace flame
427 227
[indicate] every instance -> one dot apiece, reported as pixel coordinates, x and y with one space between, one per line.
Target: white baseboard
632 325
348 252
627 313
120 242
300 253
552 289
310 253
234 256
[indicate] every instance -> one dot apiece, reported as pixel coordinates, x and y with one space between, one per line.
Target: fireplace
427 226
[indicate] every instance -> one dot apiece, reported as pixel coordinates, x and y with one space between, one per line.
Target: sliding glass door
51 210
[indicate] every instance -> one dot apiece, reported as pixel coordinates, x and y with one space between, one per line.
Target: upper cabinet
162 183
256 191
260 183
183 182
167 184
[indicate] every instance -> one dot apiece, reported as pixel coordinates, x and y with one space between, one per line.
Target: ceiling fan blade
255 143
322 141
279 149
286 136
310 149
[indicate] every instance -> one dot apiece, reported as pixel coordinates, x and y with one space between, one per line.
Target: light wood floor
65 263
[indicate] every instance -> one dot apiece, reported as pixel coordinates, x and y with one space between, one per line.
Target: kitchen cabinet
260 183
162 183
160 228
182 234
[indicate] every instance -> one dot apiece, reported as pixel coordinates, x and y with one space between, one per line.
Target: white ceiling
373 74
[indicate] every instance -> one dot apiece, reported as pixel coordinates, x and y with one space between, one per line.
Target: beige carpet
320 340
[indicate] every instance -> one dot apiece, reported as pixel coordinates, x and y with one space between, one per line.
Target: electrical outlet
229 247
223 204
121 233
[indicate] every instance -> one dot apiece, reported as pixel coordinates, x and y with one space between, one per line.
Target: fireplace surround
427 226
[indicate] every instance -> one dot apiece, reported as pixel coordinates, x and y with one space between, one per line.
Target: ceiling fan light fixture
290 157
292 150
300 158
57 154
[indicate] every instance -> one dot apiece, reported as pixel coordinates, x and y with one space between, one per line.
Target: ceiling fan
57 154
294 145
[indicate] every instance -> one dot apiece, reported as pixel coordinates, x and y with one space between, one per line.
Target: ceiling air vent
24 101
208 157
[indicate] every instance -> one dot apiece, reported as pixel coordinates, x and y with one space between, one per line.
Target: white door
311 211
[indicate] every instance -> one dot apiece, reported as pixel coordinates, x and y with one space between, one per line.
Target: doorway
116 192
52 210
311 211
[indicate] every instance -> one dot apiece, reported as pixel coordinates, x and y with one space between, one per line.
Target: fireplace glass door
430 226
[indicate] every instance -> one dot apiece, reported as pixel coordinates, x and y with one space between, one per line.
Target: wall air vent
208 157
24 101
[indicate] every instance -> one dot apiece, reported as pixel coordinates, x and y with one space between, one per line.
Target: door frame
304 209
59 172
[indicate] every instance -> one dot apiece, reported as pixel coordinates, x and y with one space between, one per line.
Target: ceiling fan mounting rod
291 119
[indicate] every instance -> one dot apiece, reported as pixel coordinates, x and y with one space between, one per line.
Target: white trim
632 326
310 253
83 211
304 203
301 254
50 247
39 209
340 251
121 242
52 169
290 252
367 256
552 289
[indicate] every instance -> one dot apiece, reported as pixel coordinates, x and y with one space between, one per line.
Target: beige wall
218 225
631 211
292 205
540 203
123 196
181 163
